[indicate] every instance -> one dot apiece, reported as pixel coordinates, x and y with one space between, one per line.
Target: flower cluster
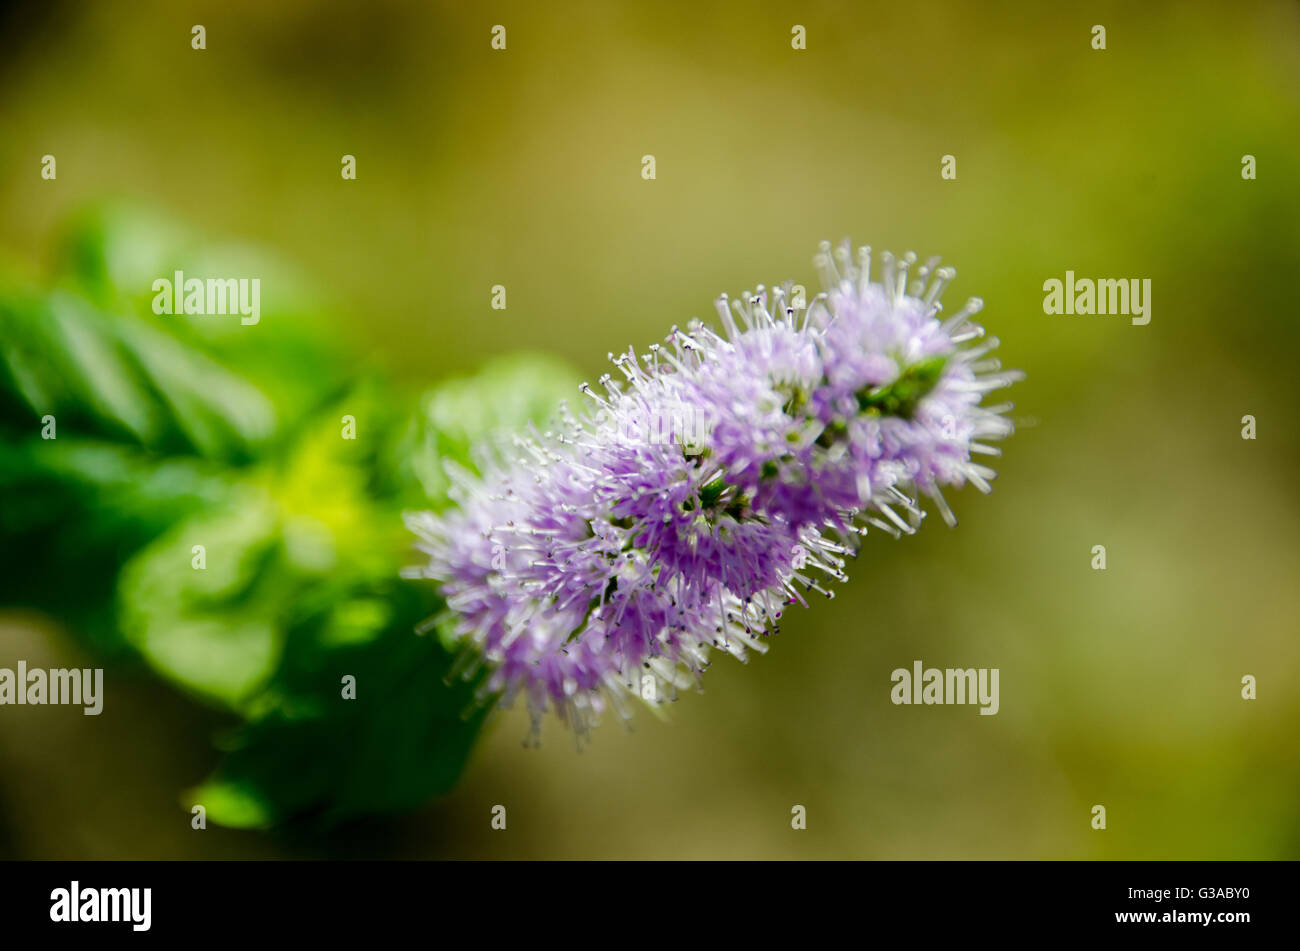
725 475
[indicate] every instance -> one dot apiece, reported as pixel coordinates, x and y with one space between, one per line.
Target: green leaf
229 804
174 433
320 758
76 510
114 376
212 629
505 397
112 254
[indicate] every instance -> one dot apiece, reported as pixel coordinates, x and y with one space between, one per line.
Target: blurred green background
523 168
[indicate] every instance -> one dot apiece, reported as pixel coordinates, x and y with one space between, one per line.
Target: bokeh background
523 168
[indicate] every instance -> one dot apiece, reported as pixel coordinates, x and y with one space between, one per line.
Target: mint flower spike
724 476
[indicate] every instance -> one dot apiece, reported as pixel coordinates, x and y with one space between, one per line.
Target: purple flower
727 474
